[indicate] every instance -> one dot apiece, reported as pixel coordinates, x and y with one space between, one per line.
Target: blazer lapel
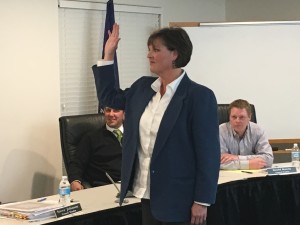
171 115
141 101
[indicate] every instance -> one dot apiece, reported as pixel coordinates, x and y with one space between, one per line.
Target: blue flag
109 22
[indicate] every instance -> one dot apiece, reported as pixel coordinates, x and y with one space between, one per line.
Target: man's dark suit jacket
186 157
98 152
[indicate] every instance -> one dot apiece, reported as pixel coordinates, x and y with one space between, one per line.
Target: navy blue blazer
186 157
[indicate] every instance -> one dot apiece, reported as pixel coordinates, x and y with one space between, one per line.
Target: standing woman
171 149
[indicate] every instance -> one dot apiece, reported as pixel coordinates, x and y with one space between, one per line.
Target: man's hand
225 157
199 214
257 163
111 44
76 186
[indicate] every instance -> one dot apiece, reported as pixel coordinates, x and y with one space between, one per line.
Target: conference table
256 199
98 207
242 199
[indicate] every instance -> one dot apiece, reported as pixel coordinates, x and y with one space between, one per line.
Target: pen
246 171
41 199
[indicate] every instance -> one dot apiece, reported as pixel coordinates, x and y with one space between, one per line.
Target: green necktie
119 134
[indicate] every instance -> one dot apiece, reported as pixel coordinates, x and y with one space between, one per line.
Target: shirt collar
235 134
172 86
121 128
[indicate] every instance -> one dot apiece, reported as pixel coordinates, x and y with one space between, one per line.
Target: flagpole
109 22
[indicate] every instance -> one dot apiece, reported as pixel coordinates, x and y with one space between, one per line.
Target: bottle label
295 158
65 191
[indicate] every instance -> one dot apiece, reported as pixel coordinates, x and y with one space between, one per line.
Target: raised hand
111 44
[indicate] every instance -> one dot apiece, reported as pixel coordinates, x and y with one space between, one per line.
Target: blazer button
152 171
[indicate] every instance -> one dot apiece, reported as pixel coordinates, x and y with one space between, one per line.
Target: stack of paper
30 210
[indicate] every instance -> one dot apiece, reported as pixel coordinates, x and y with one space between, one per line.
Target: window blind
81 38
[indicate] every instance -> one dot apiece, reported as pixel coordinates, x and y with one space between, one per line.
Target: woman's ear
174 55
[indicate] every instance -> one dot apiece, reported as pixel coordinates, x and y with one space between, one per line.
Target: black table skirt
273 200
267 200
127 215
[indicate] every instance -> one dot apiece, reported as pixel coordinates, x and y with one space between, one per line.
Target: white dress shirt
149 125
112 129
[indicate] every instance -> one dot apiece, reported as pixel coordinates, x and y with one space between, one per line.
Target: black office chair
72 129
223 113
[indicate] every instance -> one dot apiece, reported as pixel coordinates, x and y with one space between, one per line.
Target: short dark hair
240 104
174 38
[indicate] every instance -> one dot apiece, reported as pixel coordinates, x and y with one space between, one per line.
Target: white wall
30 159
182 11
262 10
193 11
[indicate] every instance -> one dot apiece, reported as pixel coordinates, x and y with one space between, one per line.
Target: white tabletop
91 200
233 175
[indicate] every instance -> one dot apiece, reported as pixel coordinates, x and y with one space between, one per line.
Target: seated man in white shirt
244 145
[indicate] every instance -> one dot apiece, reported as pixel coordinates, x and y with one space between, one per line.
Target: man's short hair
240 104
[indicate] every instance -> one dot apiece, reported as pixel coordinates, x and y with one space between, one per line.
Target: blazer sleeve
207 146
107 92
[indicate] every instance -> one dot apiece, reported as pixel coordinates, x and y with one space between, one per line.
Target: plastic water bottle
64 191
296 156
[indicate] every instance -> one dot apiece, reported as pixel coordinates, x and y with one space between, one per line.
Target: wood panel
184 24
284 141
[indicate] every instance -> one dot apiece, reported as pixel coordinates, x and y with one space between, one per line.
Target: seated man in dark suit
244 144
98 152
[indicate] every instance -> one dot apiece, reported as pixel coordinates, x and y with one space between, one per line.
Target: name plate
68 210
281 170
